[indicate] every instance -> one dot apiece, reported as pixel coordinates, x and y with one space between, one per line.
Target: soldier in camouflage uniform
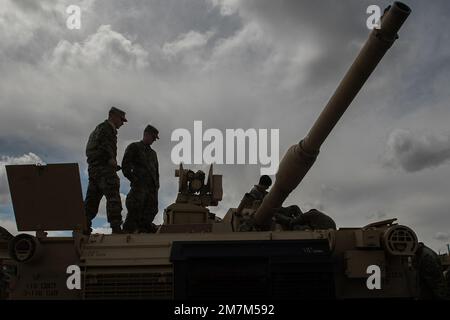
431 277
259 190
313 220
140 166
253 199
292 218
101 152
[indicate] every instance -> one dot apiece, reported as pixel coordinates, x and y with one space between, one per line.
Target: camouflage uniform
140 166
258 192
431 277
292 218
103 179
314 220
254 198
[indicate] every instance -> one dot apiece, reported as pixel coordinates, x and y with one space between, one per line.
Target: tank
254 251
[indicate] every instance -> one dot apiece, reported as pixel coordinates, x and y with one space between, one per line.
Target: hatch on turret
46 197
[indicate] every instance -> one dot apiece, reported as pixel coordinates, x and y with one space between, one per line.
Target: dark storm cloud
416 152
412 76
296 23
29 5
156 22
27 29
16 146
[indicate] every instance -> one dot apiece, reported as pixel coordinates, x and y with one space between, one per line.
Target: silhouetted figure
101 153
140 166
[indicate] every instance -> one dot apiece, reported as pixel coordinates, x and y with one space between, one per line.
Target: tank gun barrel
300 157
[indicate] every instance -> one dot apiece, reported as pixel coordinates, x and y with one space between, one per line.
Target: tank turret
300 157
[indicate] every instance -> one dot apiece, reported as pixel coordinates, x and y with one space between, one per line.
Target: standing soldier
140 166
101 152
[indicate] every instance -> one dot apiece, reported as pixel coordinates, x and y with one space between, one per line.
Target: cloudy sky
259 64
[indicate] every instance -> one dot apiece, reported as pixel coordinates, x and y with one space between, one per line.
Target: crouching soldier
292 218
254 198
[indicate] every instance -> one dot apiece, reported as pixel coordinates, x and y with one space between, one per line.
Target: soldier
259 190
292 218
431 277
254 198
140 166
314 220
101 152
